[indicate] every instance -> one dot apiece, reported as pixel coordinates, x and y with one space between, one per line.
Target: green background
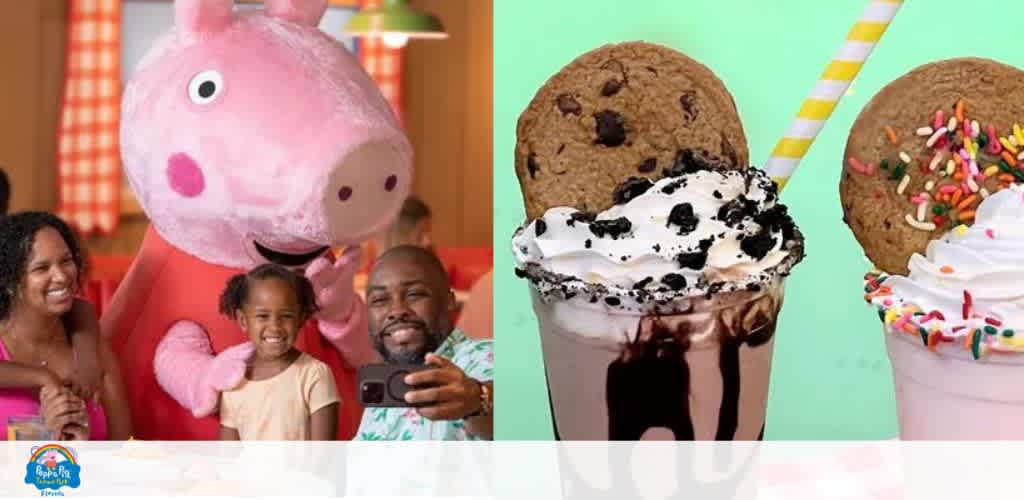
831 377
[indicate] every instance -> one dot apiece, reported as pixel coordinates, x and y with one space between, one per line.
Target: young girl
287 394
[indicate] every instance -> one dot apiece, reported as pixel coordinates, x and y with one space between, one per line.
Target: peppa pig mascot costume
248 137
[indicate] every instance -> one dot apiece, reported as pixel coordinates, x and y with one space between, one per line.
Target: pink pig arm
189 372
351 337
342 315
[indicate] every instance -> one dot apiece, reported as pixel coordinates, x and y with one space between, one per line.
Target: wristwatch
486 402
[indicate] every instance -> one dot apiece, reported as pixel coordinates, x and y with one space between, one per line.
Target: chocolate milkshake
657 314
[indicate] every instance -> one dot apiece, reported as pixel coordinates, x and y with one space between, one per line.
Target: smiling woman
43 373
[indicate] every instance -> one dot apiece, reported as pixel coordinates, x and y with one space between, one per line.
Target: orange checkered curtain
384 64
88 162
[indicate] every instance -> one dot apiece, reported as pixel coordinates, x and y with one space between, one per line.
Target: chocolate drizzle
551 407
648 385
729 411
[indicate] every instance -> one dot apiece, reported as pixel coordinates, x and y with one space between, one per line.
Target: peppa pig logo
52 467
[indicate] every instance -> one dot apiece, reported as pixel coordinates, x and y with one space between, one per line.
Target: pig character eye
205 87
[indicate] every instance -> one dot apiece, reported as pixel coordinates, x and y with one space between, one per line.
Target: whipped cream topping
706 230
968 286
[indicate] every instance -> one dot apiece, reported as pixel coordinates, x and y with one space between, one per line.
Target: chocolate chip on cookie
611 131
688 161
649 165
688 101
611 87
568 105
531 165
614 65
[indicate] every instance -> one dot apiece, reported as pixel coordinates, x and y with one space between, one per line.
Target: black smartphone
383 385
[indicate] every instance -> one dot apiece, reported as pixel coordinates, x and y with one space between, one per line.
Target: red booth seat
466 265
103 274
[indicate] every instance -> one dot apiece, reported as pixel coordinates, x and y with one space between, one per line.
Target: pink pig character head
253 137
48 459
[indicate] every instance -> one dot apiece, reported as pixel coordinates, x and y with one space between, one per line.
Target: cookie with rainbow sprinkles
926 150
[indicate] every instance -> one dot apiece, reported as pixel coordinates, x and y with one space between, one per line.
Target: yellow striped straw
831 87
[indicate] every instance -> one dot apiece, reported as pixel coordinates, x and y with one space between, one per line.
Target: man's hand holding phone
442 391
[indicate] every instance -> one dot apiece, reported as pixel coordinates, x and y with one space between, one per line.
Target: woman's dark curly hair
17 235
5 192
236 293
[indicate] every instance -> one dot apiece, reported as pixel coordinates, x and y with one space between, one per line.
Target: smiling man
409 304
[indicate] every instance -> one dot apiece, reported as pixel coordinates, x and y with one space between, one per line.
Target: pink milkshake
952 328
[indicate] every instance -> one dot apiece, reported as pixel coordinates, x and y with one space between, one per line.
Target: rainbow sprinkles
967 288
980 334
963 163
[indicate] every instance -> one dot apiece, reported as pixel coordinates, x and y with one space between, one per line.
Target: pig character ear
203 16
307 12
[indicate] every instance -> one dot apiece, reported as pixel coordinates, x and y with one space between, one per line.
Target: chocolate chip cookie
627 110
926 151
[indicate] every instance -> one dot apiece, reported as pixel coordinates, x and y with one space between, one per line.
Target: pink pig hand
224 373
228 368
332 283
342 316
188 371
